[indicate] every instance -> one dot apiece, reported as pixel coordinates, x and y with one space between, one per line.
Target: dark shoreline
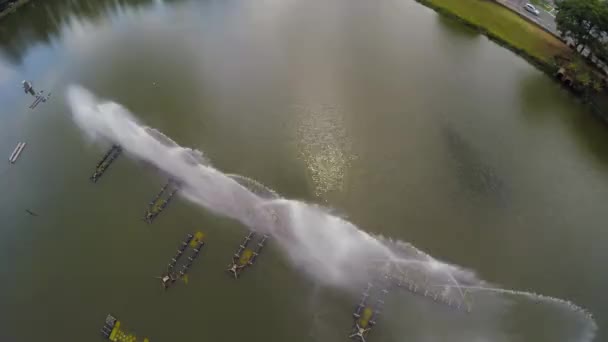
12 9
550 69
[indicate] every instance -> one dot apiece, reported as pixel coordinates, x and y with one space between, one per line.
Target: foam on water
329 249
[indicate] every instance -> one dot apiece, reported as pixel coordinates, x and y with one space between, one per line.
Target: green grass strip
504 26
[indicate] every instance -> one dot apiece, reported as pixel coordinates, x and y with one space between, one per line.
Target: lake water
400 121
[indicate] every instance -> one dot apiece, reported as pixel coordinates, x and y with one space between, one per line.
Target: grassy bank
13 8
506 28
525 38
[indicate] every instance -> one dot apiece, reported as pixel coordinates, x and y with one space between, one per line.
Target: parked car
530 8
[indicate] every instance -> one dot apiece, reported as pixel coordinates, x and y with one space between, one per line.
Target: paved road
544 19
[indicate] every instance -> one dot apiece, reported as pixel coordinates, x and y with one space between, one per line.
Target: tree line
585 23
4 4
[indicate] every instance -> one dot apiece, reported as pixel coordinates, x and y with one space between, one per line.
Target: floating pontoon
245 256
113 331
178 266
160 201
16 152
366 314
28 88
105 162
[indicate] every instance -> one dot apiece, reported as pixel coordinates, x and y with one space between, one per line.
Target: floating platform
16 152
180 265
105 162
245 256
366 313
160 201
39 98
113 331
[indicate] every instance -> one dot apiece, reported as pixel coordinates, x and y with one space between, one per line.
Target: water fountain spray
329 249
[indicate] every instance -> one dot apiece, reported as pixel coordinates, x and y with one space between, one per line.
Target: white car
530 8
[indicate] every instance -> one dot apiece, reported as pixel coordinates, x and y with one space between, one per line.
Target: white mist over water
329 249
